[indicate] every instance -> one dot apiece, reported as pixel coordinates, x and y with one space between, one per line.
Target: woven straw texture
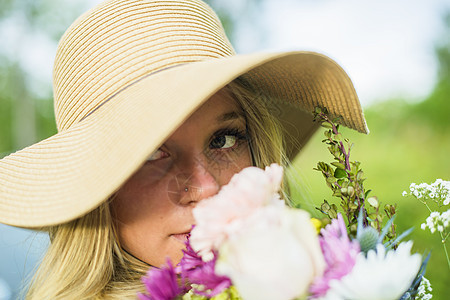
126 75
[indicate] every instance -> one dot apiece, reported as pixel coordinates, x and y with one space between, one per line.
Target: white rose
276 255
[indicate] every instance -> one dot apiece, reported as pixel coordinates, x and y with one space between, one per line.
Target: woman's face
153 209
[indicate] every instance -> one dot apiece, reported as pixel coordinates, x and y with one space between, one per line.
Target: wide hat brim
71 173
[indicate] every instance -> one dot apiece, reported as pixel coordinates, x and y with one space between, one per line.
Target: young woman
155 112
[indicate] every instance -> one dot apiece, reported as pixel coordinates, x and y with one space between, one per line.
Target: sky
386 46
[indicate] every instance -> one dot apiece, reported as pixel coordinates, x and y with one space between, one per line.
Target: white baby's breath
437 191
437 222
424 290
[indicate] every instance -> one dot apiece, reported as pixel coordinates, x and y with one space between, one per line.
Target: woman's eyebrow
230 116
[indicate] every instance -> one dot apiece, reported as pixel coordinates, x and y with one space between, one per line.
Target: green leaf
332 213
389 209
326 124
359 175
353 206
337 193
331 179
335 120
338 137
325 207
340 173
338 165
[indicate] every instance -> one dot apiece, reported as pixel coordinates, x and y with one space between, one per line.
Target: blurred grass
408 143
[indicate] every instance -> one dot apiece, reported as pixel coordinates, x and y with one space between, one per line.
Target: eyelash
240 135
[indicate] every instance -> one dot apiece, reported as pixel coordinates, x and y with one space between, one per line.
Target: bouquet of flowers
247 244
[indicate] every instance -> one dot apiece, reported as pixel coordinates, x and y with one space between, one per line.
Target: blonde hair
85 259
264 130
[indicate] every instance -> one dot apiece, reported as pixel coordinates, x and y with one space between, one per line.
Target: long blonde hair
85 259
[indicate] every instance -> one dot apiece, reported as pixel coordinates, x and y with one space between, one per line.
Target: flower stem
446 253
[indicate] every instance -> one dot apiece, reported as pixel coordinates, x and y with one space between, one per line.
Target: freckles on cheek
137 202
234 164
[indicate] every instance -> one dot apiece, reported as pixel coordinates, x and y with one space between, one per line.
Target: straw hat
127 73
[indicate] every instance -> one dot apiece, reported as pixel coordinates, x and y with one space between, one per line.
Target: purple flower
162 284
339 252
201 273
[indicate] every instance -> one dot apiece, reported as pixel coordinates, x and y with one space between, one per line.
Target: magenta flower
162 284
197 272
339 252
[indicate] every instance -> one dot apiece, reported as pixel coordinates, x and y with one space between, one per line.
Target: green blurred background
409 141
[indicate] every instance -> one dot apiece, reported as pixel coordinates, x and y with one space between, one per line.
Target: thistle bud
368 238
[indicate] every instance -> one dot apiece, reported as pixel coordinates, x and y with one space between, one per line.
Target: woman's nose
193 182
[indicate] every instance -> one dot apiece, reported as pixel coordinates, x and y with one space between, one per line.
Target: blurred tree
6 6
20 109
435 109
443 51
24 118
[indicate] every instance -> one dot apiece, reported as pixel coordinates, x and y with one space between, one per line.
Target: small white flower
434 214
423 226
445 218
437 222
424 290
404 193
379 276
447 201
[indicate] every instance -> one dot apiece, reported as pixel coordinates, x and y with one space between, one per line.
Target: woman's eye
227 138
223 142
158 154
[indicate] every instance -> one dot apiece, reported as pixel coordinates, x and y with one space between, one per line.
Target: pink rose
222 215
